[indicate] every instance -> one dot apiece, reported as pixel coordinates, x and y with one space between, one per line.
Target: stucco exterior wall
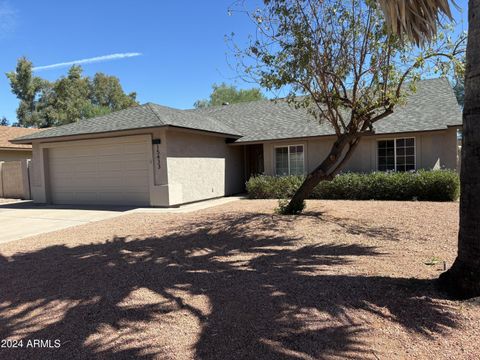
186 166
202 167
159 193
434 150
15 155
39 173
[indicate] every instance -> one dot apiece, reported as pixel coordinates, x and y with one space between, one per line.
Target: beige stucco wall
14 155
190 166
434 150
202 167
186 166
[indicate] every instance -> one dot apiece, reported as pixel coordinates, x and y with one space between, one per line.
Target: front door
254 160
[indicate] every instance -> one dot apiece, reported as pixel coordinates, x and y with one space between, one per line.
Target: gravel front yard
347 280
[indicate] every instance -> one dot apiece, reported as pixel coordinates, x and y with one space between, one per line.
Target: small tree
223 93
348 69
3 121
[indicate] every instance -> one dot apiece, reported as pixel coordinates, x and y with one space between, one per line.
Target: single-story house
153 155
13 152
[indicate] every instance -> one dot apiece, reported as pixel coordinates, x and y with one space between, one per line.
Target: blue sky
181 42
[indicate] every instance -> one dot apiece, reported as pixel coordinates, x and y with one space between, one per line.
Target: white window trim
395 150
288 156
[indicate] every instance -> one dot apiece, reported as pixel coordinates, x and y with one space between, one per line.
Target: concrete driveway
23 219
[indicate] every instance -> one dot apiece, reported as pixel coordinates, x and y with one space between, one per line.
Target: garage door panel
133 148
112 178
133 157
127 156
130 198
124 166
93 173
67 153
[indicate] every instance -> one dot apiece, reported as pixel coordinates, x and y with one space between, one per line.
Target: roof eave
12 148
22 140
297 138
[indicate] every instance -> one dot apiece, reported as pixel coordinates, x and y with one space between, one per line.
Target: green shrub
435 185
273 187
282 207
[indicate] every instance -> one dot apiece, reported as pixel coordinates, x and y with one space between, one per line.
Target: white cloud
8 18
88 61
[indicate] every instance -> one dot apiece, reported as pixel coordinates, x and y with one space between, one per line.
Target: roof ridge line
149 105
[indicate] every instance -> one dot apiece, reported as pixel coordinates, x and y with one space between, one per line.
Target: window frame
395 151
288 157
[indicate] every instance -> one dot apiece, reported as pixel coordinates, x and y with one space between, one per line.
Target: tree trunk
325 171
462 280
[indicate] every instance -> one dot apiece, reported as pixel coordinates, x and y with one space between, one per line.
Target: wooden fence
15 179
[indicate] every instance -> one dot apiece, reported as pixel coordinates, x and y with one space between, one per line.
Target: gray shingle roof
432 107
139 117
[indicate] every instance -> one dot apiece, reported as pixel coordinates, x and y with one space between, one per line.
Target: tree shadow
268 298
356 227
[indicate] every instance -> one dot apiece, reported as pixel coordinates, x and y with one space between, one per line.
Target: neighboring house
10 151
159 156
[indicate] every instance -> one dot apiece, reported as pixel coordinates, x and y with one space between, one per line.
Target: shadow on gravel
355 227
261 304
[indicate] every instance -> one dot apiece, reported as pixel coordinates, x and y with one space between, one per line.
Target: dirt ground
346 280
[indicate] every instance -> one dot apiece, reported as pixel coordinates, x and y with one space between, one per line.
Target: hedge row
434 185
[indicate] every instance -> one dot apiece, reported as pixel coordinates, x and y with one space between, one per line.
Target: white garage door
111 171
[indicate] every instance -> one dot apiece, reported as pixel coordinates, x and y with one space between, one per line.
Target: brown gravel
347 280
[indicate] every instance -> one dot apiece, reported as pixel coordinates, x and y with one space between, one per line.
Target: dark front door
254 157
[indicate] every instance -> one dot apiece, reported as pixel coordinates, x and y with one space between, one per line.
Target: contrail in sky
88 61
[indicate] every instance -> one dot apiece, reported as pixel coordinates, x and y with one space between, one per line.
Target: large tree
229 94
27 88
68 99
349 70
463 278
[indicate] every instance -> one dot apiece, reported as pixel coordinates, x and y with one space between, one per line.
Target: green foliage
27 88
340 55
68 99
273 187
337 59
459 90
224 93
107 93
296 209
434 185
3 121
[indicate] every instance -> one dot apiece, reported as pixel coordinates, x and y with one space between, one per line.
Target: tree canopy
224 93
68 99
348 68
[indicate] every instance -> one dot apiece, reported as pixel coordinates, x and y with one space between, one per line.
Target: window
396 154
289 160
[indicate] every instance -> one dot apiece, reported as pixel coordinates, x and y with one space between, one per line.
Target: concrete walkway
22 219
